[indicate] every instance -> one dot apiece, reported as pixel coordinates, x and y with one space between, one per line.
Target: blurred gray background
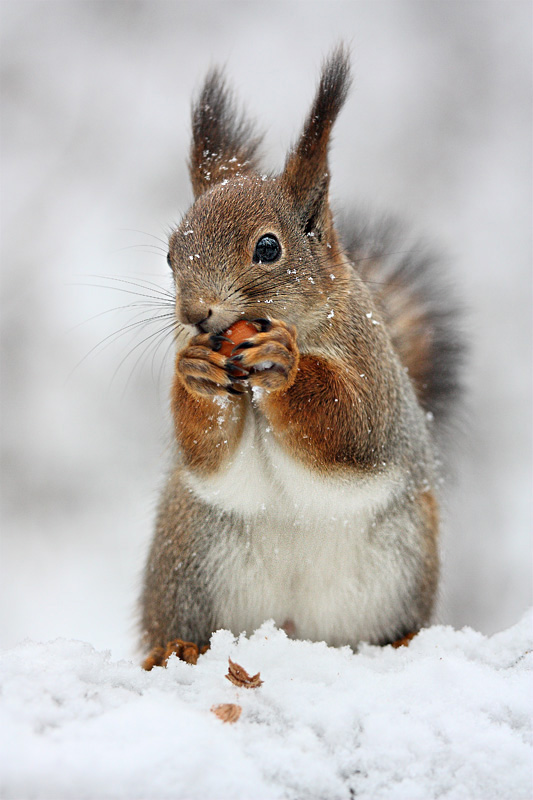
94 133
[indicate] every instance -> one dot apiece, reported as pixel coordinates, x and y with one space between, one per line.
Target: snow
446 717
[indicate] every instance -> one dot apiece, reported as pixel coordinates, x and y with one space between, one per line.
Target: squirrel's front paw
205 371
271 357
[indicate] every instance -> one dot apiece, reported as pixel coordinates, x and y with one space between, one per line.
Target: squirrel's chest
262 477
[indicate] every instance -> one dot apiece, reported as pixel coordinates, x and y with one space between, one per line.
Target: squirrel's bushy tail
424 320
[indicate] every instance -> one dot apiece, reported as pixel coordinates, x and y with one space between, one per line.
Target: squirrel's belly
334 582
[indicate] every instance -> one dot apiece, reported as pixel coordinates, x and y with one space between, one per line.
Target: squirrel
305 481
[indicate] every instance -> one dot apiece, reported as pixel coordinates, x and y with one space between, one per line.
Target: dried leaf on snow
239 677
227 712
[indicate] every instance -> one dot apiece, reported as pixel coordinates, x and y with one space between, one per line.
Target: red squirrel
304 484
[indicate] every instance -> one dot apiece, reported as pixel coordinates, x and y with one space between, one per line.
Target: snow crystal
263 365
445 717
258 393
221 400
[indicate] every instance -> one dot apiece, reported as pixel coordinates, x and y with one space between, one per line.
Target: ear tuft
306 170
224 143
333 89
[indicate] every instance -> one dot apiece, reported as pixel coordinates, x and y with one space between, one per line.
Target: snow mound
446 717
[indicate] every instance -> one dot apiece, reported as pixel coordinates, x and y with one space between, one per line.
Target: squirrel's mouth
261 325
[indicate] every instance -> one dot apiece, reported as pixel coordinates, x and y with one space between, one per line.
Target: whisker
139 284
143 248
162 332
148 286
173 342
144 304
265 281
239 277
144 233
115 335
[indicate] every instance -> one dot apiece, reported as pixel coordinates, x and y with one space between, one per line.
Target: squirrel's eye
267 249
169 262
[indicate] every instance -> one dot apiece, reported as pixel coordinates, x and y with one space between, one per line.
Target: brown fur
326 373
429 513
206 432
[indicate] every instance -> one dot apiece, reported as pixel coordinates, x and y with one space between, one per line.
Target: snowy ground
447 717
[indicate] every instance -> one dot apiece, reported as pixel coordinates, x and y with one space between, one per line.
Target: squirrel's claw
237 379
234 371
216 339
242 346
264 324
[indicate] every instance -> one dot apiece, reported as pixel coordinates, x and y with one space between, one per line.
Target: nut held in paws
238 333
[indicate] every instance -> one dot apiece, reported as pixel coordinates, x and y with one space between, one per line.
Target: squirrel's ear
224 143
306 174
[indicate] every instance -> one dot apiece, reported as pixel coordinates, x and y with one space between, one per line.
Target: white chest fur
308 549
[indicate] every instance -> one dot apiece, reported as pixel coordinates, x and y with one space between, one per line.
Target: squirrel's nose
196 314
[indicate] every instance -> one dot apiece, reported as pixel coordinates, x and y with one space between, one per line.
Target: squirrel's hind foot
185 651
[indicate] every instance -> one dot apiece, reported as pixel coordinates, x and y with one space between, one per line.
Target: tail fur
424 319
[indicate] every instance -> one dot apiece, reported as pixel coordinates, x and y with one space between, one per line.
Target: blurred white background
95 126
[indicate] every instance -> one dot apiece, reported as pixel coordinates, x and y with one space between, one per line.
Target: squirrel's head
252 245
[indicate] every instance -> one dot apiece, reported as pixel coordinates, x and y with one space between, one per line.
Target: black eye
169 262
267 249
